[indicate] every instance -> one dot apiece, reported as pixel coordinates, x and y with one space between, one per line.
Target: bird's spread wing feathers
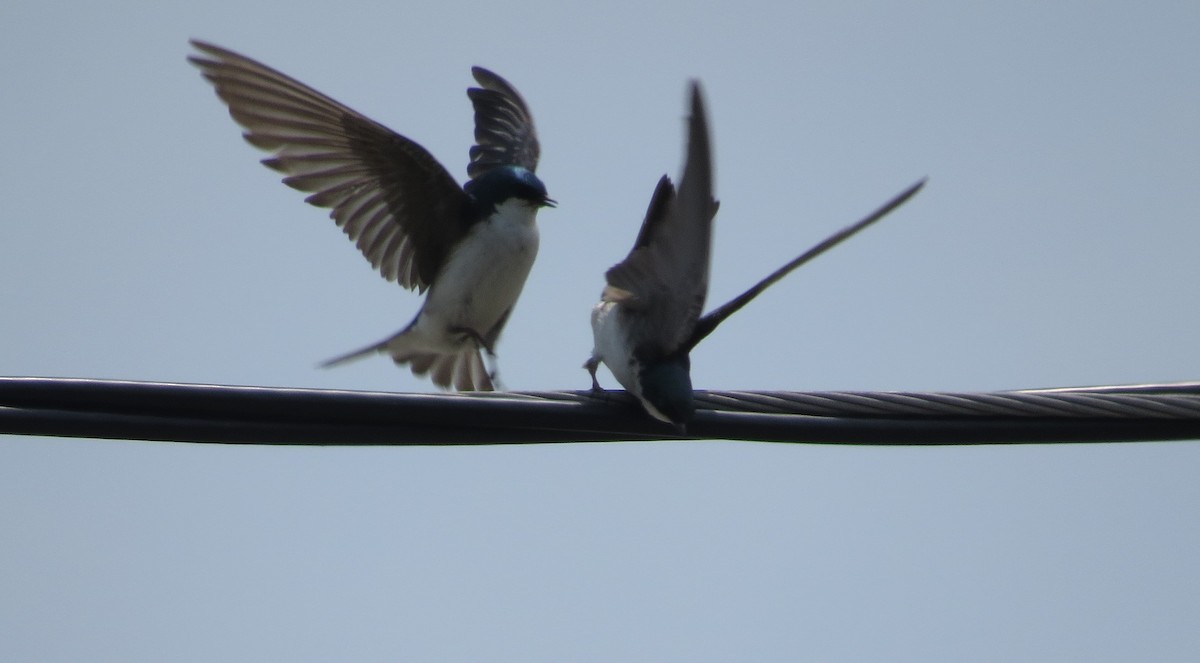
396 202
665 277
504 131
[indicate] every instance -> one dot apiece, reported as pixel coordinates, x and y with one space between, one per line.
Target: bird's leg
591 365
494 373
475 336
480 342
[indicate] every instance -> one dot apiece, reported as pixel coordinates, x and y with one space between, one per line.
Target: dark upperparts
499 184
667 385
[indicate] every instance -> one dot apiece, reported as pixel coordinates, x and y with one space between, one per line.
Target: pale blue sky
1055 245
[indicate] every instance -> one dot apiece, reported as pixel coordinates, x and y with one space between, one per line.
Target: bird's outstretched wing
664 280
504 131
395 201
708 323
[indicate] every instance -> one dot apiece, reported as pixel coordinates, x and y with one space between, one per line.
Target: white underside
479 283
611 347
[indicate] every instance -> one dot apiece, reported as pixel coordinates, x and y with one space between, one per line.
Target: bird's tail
463 370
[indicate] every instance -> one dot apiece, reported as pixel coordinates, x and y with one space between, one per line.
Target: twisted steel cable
264 415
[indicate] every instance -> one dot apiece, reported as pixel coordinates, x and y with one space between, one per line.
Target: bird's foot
591 365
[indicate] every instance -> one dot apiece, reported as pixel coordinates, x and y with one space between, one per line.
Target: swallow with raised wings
470 246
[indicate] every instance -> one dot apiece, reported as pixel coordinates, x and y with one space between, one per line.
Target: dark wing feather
504 131
665 278
395 201
708 323
631 272
656 212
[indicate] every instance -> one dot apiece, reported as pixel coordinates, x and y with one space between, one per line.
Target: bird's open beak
549 202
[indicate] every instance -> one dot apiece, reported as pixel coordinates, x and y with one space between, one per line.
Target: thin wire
264 415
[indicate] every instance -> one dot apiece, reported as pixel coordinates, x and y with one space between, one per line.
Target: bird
468 248
648 319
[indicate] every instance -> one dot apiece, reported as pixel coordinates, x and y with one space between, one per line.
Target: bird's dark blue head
500 184
667 386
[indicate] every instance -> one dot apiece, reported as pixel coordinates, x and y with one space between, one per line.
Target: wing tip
208 48
490 80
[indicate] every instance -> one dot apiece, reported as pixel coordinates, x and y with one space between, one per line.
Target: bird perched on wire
649 319
470 246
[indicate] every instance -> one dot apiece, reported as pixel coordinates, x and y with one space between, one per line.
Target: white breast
611 344
485 274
